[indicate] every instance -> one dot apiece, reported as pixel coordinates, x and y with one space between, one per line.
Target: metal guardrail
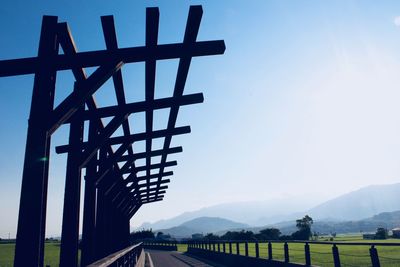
125 257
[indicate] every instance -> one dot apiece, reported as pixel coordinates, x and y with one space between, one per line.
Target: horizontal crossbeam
23 66
133 138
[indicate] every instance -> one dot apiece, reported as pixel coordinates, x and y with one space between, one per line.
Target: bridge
116 185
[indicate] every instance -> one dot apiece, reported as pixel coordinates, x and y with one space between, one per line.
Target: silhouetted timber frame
113 194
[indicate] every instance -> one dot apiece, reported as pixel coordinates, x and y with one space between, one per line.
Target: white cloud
396 21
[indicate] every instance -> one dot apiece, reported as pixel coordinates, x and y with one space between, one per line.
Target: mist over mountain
202 225
251 212
357 205
365 202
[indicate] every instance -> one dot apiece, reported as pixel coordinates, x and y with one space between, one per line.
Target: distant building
396 232
368 236
197 236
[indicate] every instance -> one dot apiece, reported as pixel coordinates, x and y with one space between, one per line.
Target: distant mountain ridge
387 220
357 205
202 225
220 226
251 212
363 203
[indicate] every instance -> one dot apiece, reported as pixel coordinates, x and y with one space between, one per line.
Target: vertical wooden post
88 246
223 247
336 257
237 248
230 247
373 252
307 254
246 249
219 247
270 257
257 250
70 223
29 249
286 251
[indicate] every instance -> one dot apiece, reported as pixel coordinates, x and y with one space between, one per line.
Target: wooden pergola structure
115 185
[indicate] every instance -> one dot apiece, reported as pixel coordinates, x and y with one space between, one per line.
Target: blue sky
304 103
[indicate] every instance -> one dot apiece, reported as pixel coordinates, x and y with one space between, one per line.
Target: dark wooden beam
128 55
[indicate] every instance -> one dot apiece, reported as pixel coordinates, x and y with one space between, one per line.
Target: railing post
286 250
336 257
307 254
223 247
257 250
237 248
219 247
373 252
230 247
246 249
270 257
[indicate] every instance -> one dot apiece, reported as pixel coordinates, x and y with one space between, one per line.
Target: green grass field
51 254
321 254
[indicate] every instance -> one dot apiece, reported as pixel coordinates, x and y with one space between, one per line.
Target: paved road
173 259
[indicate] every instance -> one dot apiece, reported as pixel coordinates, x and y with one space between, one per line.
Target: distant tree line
303 233
142 235
146 235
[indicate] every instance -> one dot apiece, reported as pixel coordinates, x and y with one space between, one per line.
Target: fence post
237 248
230 247
246 249
257 250
307 254
213 244
219 246
336 258
373 252
270 251
286 250
223 247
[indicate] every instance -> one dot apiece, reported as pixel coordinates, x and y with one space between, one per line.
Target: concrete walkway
159 258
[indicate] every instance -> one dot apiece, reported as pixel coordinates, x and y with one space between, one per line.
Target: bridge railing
161 245
130 256
305 252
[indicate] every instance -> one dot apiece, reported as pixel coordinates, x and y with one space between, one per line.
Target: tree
381 233
159 235
269 234
304 228
304 223
242 235
142 235
211 236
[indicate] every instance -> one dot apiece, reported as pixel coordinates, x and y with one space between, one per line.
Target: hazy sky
303 103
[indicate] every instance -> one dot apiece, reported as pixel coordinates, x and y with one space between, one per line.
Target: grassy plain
51 254
321 254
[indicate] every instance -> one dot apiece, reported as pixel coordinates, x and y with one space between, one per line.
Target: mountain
359 204
251 212
212 224
356 205
202 225
388 220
